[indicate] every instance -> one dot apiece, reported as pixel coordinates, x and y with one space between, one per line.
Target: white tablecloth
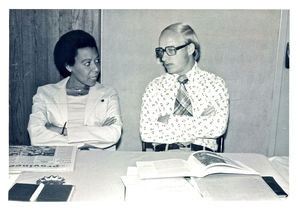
97 173
281 165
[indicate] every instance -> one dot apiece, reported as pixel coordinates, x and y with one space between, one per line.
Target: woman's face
86 69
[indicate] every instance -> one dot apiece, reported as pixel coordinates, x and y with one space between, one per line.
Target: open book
199 164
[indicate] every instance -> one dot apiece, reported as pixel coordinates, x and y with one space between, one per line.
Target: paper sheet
157 190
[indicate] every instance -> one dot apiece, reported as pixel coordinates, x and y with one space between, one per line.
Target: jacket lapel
93 98
60 97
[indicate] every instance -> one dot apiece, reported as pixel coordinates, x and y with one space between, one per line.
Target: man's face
182 61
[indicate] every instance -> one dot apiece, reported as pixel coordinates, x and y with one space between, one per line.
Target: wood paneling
32 35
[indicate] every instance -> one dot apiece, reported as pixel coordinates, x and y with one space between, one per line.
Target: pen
63 129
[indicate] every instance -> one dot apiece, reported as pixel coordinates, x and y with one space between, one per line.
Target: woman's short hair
189 35
66 48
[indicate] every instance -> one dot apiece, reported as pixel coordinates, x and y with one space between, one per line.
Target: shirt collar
173 77
189 73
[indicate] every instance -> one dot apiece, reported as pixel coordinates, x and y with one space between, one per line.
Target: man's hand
109 121
56 129
164 119
209 111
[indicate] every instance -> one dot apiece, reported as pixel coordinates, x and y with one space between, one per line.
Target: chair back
220 142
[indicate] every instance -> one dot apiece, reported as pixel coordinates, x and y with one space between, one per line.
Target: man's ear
191 48
68 68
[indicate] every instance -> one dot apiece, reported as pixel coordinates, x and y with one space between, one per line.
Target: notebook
56 193
41 192
22 191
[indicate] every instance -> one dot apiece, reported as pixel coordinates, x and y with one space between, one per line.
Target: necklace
77 91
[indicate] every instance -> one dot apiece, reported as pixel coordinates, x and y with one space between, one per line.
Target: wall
244 47
280 136
241 46
33 34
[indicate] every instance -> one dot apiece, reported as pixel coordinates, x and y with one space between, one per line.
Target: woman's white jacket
50 106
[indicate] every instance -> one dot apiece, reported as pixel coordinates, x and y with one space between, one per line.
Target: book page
42 158
199 164
163 168
208 159
203 163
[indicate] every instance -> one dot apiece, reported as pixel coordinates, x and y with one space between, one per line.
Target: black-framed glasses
170 50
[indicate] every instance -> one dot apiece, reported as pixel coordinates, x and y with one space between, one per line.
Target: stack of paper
157 190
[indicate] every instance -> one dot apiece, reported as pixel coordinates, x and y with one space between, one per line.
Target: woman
77 110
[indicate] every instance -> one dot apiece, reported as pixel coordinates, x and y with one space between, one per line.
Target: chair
220 143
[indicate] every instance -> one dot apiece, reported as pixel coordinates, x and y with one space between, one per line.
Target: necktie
183 105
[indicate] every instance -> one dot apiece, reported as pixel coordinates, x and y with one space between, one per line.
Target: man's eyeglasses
170 50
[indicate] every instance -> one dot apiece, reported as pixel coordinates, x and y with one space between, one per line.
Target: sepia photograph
142 102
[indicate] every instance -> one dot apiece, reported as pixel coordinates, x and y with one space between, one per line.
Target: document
42 158
158 190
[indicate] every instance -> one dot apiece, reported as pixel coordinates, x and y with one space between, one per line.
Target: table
97 173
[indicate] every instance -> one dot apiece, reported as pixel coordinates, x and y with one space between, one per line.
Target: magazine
41 158
199 164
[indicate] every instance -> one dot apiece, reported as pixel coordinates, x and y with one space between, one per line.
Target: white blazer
50 105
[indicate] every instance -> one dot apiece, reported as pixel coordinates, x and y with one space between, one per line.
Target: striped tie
183 105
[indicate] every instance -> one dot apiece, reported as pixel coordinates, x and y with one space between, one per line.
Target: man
186 106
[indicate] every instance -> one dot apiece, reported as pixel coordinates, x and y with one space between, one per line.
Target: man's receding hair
189 35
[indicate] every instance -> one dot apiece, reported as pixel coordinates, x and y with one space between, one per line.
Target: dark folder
55 193
275 186
22 191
